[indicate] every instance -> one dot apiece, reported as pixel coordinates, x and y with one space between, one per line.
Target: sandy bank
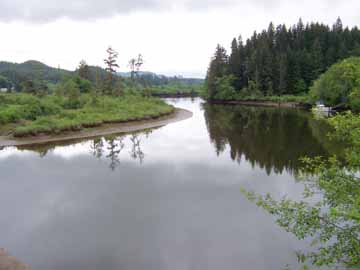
106 129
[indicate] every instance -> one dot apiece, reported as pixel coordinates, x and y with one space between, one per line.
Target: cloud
40 11
45 11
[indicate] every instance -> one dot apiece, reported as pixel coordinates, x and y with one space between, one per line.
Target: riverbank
266 103
175 95
105 129
23 115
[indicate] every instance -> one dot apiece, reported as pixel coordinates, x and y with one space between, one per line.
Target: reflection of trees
110 146
115 146
136 152
272 138
97 148
41 149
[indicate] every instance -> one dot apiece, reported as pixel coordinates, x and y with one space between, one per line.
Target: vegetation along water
191 194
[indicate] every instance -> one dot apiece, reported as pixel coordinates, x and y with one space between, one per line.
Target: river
161 199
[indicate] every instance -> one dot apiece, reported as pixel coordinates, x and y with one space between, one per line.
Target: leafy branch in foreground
329 214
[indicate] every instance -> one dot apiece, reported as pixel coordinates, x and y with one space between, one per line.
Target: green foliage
354 99
332 217
300 87
34 70
23 77
53 114
339 83
174 88
224 89
283 60
35 87
4 82
72 92
24 107
217 70
85 86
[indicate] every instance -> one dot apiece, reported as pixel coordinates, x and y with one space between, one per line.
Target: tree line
36 77
279 60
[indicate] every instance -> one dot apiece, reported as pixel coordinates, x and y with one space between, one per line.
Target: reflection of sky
180 209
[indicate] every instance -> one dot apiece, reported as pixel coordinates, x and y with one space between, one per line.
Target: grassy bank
26 115
284 98
193 90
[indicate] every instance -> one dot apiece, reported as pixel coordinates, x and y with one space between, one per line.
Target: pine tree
83 70
218 68
284 60
235 64
111 65
317 60
283 73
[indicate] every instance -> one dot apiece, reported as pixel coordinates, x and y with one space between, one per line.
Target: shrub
335 85
50 115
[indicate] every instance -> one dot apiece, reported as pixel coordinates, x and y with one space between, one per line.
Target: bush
354 99
51 115
335 85
224 88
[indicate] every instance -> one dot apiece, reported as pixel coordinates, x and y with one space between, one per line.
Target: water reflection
115 146
108 148
273 138
136 152
160 201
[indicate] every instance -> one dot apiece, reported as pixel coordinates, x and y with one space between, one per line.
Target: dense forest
279 60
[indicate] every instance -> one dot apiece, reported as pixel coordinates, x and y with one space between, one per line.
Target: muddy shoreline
104 130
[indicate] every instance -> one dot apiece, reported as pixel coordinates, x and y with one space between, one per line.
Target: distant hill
32 70
35 70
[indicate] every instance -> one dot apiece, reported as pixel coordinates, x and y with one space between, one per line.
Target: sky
175 37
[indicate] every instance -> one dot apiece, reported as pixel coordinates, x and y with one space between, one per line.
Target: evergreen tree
283 72
83 70
283 60
235 63
111 65
317 60
218 68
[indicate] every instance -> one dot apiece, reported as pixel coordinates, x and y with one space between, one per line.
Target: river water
161 199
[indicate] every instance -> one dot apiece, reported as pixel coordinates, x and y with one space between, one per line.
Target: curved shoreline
104 130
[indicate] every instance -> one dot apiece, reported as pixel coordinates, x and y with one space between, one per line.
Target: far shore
175 95
104 130
283 104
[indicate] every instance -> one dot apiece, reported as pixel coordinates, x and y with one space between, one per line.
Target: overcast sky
176 37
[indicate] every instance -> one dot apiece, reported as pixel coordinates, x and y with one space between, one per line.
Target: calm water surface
162 199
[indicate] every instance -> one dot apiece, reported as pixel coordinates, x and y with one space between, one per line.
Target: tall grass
49 115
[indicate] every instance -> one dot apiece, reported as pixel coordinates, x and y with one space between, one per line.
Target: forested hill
31 70
158 79
279 60
14 75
